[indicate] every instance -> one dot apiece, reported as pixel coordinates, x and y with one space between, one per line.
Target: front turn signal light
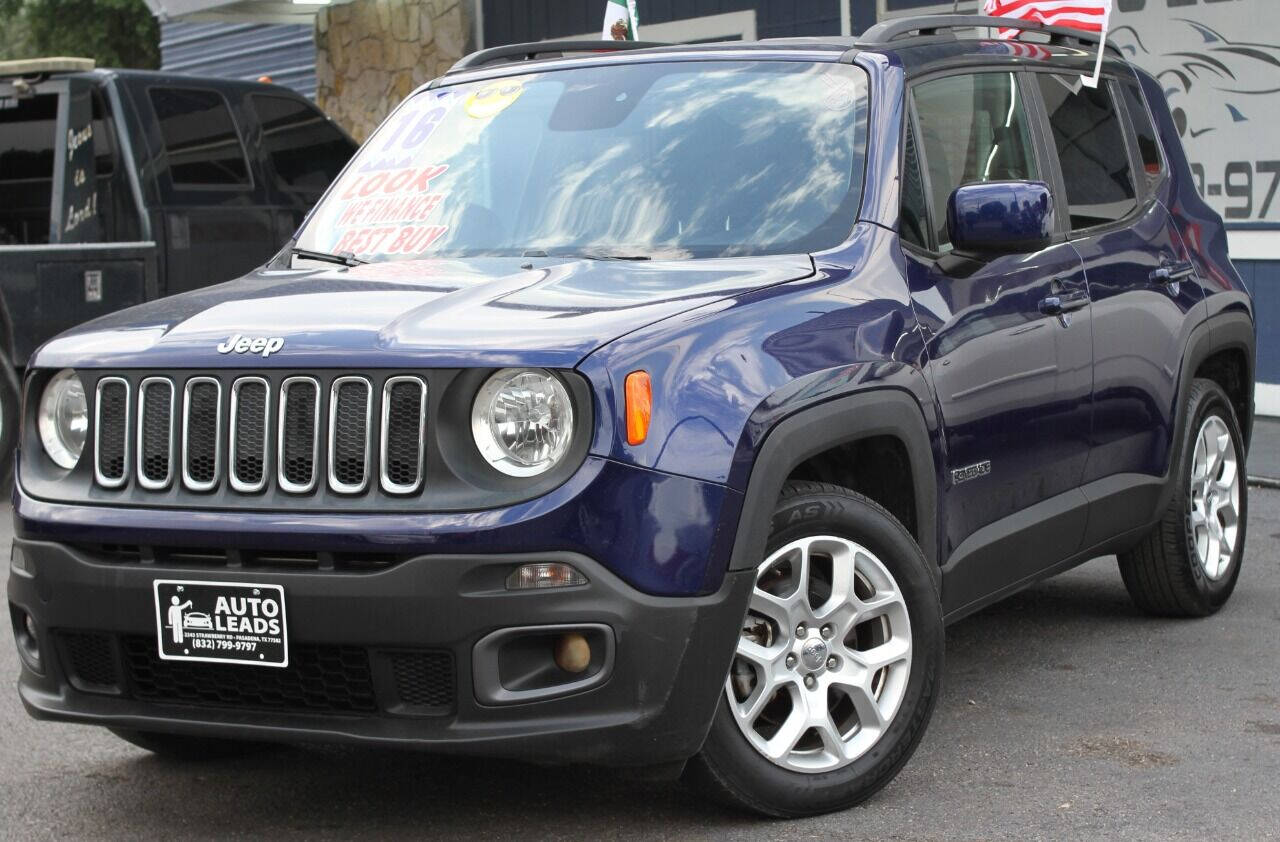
639 406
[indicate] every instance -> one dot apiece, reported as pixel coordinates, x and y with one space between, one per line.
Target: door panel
1140 327
1014 386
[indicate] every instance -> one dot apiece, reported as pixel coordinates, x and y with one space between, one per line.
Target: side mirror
1000 217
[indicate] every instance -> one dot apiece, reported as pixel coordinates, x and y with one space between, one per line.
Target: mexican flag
620 21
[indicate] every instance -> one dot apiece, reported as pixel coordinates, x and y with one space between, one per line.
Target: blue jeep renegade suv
649 407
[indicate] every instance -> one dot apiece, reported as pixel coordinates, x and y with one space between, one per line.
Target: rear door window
305 150
973 128
1091 147
200 138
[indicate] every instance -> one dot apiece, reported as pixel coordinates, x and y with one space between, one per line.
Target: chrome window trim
143 388
187 481
281 479
107 482
387 485
238 484
334 483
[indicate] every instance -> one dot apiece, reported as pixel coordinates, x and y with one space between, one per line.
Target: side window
1145 134
1091 148
305 150
914 216
973 128
200 138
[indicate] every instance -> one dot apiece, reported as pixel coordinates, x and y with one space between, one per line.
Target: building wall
370 54
286 53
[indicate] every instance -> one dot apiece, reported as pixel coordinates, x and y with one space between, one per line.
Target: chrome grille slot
201 433
404 416
250 420
350 408
155 433
111 432
299 434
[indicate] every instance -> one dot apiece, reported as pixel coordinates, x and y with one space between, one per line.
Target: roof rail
550 49
883 33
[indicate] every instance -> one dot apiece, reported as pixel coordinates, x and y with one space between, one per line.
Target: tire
825 529
186 747
1174 571
9 408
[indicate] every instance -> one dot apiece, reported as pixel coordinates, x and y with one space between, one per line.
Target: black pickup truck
120 186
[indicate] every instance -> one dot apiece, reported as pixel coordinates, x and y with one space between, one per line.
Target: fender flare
887 411
1221 332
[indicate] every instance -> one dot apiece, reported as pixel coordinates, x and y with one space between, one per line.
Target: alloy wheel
1215 498
824 656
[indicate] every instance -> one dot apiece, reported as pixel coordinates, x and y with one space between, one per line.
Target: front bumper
669 655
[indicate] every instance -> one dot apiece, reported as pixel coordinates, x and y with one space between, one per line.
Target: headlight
64 418
522 421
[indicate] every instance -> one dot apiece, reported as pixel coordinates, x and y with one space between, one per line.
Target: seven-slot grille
249 434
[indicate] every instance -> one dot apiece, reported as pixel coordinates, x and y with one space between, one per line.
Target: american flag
1089 15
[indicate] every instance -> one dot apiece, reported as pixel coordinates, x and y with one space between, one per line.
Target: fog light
573 653
547 574
30 625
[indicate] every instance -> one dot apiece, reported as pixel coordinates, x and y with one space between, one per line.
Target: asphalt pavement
1065 714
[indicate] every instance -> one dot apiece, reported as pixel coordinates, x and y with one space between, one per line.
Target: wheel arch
888 412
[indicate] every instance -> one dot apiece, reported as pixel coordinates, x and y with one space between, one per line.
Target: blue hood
422 313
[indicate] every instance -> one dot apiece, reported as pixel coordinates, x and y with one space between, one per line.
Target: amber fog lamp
532 577
573 653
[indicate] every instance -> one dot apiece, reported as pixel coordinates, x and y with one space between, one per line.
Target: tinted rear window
200 138
1145 133
1091 147
305 150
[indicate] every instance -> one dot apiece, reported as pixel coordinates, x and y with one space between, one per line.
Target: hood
420 313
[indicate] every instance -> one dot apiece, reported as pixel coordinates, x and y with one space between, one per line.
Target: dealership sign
1219 65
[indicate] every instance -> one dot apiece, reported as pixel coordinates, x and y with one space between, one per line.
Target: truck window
305 150
1091 148
27 136
200 138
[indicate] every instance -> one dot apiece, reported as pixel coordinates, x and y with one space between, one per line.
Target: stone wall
370 54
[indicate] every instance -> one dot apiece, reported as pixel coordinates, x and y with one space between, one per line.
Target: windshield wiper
344 258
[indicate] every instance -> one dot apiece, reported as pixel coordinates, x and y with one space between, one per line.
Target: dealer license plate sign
221 622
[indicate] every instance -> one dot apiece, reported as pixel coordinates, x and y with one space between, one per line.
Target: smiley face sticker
491 100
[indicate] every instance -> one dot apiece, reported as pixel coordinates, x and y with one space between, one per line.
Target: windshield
668 159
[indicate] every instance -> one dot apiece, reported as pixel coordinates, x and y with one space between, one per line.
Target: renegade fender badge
265 345
960 475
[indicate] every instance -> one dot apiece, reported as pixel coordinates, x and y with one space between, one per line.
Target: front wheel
838 664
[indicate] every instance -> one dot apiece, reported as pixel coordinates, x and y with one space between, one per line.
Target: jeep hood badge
265 345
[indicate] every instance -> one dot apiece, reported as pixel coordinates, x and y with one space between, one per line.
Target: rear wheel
1188 564
838 663
186 747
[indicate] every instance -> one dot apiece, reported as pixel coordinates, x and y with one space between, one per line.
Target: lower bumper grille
322 679
319 679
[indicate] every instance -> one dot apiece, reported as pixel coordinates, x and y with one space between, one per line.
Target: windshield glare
666 159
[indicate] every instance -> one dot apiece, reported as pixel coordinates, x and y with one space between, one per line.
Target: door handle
1173 272
1056 305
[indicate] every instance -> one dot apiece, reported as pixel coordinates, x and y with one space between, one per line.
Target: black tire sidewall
772 789
1211 400
9 420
